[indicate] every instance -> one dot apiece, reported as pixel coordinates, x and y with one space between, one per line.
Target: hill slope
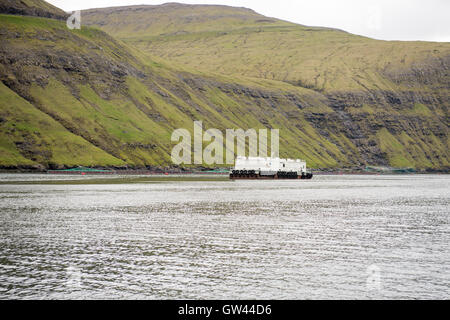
83 98
239 41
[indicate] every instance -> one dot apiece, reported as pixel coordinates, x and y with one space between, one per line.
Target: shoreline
170 169
78 179
213 171
197 173
219 174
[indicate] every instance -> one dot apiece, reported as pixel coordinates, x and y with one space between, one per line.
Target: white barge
269 168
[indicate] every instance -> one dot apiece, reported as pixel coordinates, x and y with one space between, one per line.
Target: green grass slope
31 138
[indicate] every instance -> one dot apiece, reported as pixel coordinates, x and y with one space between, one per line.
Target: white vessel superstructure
269 168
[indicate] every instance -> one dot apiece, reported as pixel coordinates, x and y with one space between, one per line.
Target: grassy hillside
38 8
175 19
118 106
81 97
239 41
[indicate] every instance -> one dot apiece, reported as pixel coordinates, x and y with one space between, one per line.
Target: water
334 237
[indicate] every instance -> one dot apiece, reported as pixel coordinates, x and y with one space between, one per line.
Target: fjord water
334 237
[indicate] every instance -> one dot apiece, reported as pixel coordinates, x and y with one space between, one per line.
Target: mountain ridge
208 39
105 102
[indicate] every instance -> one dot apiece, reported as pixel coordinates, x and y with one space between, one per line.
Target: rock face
35 8
80 97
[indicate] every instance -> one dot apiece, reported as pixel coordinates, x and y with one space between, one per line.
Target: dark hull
274 177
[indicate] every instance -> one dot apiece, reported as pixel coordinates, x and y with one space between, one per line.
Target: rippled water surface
332 237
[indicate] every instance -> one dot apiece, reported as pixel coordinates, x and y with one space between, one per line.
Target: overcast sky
380 19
